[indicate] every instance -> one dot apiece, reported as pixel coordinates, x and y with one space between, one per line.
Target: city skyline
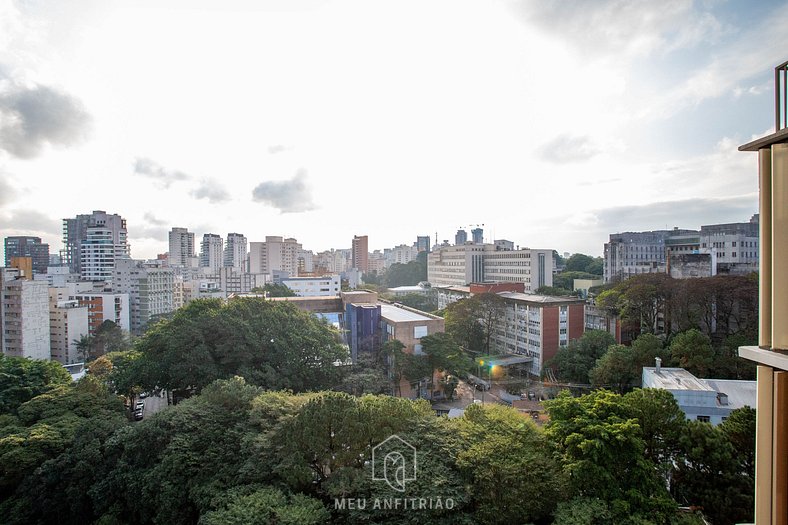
271 118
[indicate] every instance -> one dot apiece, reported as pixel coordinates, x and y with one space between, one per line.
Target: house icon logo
394 461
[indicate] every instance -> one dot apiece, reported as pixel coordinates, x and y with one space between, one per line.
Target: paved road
153 404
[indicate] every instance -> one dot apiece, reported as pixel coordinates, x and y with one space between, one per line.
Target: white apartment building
275 253
57 276
68 322
401 254
333 261
150 289
24 316
235 252
98 253
306 261
468 263
105 306
108 239
376 262
212 252
326 286
181 247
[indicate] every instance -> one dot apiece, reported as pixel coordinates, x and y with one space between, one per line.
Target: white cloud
289 196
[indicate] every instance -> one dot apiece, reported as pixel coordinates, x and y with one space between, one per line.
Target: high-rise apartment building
478 235
150 289
275 254
235 252
461 237
360 256
24 316
423 243
212 252
21 246
108 241
181 246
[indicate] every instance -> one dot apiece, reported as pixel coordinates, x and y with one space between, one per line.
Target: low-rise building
707 400
328 285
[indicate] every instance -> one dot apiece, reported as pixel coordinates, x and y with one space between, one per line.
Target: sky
550 123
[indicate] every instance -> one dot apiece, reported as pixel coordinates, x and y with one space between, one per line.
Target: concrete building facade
24 316
235 253
537 326
68 323
107 228
24 246
468 263
149 286
326 286
275 254
181 246
360 253
212 252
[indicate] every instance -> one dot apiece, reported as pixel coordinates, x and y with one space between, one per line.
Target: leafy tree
23 379
394 360
472 321
661 422
500 449
172 467
616 369
601 450
45 428
578 262
692 350
409 274
709 475
574 361
739 428
277 290
566 279
554 291
462 322
272 344
265 505
366 376
424 302
444 354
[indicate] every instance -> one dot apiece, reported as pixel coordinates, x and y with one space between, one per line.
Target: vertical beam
765 247
763 446
779 246
780 450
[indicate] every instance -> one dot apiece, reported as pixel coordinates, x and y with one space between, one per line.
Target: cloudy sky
551 123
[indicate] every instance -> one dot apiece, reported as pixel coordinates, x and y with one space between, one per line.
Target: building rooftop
542 299
740 393
401 315
676 379
413 288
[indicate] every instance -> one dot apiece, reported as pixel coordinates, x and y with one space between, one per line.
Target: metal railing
781 97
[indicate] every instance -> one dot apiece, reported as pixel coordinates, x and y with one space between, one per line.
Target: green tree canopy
270 343
23 379
692 350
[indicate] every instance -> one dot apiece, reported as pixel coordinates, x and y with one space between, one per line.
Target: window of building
704 419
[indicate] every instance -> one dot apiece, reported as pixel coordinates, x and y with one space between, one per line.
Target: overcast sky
551 123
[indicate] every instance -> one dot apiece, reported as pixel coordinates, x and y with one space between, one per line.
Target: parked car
139 406
138 415
143 395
